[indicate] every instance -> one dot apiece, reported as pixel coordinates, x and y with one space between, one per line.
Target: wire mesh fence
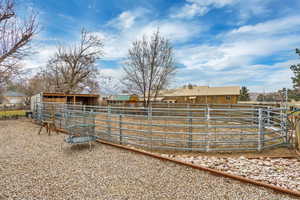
209 128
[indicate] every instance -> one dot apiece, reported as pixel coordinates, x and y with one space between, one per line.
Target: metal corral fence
188 129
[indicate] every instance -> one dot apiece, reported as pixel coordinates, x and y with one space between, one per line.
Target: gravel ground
33 167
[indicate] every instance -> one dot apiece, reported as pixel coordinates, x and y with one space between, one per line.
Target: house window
228 98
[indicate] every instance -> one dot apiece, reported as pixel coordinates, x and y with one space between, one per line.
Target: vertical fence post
253 115
60 111
269 116
190 124
120 129
93 119
283 126
108 121
149 110
260 130
208 133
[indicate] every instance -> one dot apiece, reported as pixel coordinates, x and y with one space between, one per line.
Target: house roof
64 95
201 91
121 97
14 94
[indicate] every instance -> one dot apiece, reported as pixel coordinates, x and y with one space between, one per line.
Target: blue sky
216 42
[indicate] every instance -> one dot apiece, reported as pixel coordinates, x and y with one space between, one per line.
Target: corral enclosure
189 128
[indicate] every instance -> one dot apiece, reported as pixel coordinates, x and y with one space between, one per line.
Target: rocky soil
277 171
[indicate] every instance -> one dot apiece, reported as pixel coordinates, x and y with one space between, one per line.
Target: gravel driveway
33 167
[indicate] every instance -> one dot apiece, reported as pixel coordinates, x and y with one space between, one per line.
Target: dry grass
12 113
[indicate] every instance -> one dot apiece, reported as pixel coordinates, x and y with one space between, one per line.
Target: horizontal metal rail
207 128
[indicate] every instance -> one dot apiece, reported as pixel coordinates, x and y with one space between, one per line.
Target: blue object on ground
80 139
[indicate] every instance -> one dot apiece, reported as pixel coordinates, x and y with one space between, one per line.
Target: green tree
244 94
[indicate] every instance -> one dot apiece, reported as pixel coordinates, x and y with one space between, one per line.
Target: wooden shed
202 95
82 99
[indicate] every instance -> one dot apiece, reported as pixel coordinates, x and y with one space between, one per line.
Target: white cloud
191 10
243 9
199 7
234 60
253 8
176 31
124 20
242 46
109 81
276 26
256 77
116 44
40 57
111 72
128 18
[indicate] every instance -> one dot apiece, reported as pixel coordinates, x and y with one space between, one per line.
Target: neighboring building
201 95
253 96
14 98
82 99
124 99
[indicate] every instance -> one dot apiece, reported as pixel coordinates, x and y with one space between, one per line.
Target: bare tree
73 68
15 36
150 66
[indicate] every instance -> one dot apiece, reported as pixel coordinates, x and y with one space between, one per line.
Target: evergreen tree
244 94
